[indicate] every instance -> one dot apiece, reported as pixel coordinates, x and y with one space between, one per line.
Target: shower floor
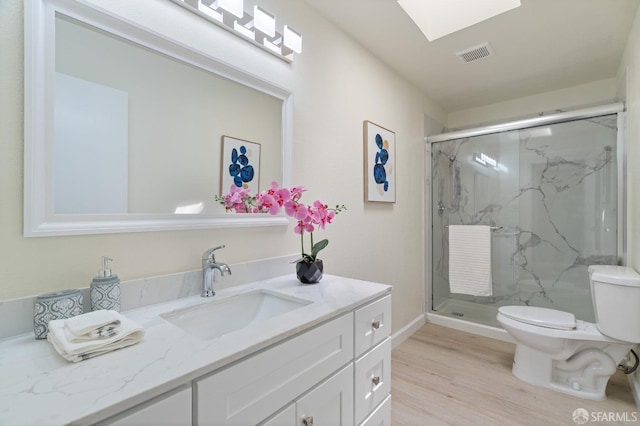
469 311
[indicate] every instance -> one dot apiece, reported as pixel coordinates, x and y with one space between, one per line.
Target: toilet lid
542 317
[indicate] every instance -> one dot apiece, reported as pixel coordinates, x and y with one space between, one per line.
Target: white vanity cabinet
330 403
325 362
335 374
250 391
170 409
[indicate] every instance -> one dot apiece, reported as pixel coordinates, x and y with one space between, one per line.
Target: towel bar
493 228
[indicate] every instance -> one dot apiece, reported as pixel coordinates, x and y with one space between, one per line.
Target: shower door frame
621 164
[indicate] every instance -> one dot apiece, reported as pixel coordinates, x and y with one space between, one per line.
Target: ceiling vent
475 53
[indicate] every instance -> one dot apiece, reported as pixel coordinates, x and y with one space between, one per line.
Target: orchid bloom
235 199
266 202
282 196
296 210
271 200
296 192
320 214
304 225
274 188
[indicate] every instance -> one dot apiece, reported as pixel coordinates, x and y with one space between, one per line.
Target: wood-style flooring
441 376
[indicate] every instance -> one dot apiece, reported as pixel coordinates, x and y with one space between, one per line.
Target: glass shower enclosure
551 194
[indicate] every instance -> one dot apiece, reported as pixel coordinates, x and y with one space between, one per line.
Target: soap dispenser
105 289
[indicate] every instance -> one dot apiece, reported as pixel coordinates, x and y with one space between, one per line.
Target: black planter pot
309 272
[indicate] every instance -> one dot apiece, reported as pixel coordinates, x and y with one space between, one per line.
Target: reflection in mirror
167 165
132 138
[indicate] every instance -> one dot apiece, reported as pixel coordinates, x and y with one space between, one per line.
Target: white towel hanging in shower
470 259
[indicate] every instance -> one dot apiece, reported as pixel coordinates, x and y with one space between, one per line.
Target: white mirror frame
39 60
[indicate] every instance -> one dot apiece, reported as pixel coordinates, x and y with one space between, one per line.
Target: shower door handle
441 208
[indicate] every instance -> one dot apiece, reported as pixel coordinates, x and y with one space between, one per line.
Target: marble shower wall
552 190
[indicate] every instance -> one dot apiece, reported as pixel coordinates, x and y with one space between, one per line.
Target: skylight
438 18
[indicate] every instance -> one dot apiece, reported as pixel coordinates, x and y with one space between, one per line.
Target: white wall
629 91
337 85
629 86
574 97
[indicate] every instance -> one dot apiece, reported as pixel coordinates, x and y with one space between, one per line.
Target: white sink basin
219 317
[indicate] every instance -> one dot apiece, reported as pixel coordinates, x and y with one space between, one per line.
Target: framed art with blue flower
379 164
240 164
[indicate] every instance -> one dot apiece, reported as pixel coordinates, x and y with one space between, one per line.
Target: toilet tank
616 301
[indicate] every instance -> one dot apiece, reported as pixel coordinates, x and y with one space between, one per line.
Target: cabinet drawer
372 379
372 324
381 416
251 390
173 408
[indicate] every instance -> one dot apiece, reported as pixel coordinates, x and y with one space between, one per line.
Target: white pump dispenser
105 288
105 272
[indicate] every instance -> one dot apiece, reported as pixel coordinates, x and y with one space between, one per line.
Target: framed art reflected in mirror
240 165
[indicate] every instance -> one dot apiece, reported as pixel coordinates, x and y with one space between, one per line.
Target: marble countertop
37 386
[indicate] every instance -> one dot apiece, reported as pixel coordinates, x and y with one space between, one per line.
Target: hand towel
470 259
99 324
128 334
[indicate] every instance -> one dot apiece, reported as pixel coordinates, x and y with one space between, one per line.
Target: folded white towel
128 334
470 259
99 324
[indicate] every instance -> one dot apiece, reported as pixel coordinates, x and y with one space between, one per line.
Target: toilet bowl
556 351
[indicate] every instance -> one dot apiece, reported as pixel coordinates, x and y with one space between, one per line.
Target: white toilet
556 351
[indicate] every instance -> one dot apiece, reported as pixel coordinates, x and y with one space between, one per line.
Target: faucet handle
209 255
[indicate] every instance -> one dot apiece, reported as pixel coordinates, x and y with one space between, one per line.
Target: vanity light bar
214 14
292 40
235 7
259 29
247 32
264 21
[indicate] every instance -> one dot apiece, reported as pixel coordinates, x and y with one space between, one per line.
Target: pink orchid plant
309 217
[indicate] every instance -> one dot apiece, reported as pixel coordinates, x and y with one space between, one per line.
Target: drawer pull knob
376 380
307 421
375 325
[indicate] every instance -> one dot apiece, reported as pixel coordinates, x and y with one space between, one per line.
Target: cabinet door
169 409
252 390
286 417
331 403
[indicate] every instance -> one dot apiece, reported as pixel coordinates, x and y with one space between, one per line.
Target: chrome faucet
209 266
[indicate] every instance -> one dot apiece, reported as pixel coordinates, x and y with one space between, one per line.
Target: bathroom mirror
124 128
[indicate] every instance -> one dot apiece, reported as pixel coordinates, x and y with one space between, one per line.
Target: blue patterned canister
105 293
57 305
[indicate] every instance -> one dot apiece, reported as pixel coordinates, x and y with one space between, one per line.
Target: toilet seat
540 317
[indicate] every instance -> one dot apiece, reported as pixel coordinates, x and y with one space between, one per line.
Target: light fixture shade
271 46
292 40
264 22
235 7
254 25
244 30
214 14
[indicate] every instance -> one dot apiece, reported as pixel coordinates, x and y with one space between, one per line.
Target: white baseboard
470 327
406 331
